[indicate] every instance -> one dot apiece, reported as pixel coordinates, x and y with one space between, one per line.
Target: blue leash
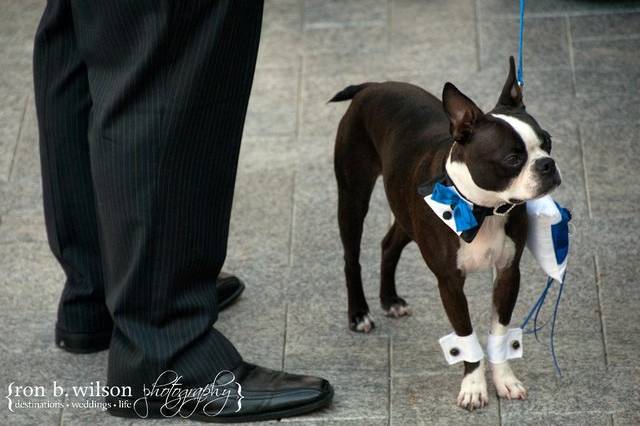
519 72
535 310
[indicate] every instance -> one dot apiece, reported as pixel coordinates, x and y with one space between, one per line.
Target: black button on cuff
446 215
515 345
454 351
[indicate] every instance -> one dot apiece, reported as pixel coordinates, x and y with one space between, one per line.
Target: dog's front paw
506 383
362 323
473 390
396 307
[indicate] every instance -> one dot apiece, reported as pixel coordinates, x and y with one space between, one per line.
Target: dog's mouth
545 187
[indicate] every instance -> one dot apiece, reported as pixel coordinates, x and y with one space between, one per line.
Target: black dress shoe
253 393
229 288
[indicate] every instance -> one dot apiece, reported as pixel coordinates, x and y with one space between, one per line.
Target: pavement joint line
292 215
585 174
284 334
18 137
569 13
598 281
574 87
617 37
389 23
344 25
477 34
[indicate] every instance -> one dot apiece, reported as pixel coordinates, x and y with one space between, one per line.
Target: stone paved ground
583 83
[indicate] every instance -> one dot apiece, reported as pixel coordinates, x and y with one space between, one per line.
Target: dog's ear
511 95
462 113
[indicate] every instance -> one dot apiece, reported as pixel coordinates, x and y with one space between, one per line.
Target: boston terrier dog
482 167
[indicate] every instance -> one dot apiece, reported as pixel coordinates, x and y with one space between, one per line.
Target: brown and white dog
494 161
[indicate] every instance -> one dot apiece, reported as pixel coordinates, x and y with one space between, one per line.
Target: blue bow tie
462 213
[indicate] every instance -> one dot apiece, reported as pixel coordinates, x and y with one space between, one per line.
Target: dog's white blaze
491 247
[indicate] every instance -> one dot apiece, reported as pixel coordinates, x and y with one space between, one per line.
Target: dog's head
503 156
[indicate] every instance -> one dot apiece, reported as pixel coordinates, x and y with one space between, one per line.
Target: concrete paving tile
606 54
279 48
256 327
358 395
430 399
364 421
607 168
261 216
281 36
626 419
433 35
599 390
406 13
95 416
22 228
282 15
17 52
440 45
608 82
265 153
613 240
311 151
340 353
273 104
545 38
605 66
345 40
29 269
333 13
19 197
617 257
491 8
28 368
620 319
573 419
602 26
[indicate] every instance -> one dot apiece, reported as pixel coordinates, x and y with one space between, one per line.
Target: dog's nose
545 166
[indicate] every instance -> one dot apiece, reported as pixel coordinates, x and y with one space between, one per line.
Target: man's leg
170 82
63 104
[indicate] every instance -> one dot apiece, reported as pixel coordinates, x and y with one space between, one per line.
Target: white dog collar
502 348
456 348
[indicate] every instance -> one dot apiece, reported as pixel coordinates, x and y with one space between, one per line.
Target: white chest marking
491 247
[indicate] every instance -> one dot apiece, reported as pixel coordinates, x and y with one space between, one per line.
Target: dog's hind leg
392 245
356 172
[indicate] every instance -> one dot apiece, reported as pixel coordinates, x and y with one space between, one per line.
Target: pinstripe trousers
141 107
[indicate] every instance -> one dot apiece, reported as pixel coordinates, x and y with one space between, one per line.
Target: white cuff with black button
503 348
465 348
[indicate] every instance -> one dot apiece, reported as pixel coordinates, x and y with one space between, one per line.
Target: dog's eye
513 160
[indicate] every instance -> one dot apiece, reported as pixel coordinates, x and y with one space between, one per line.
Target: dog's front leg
463 344
503 343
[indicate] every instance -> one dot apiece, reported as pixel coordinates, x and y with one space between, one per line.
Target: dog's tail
349 92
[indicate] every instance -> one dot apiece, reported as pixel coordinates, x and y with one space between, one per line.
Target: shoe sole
154 412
